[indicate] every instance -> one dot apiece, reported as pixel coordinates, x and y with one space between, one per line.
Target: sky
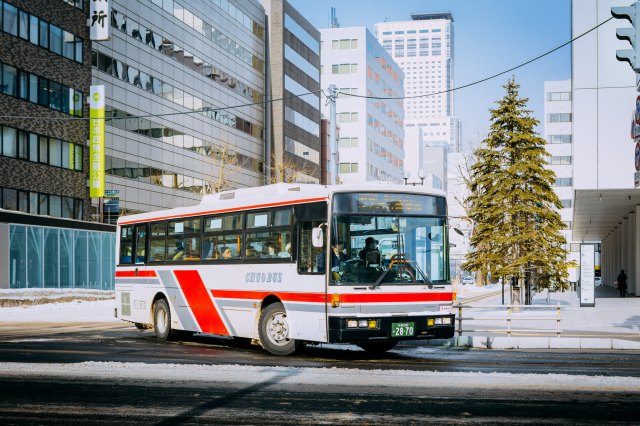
490 36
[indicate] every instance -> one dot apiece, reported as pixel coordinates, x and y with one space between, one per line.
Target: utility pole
333 166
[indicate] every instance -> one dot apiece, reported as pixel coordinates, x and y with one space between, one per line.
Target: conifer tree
516 233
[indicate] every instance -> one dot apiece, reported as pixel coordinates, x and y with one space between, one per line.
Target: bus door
311 273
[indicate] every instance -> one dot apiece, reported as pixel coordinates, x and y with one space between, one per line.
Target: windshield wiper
379 280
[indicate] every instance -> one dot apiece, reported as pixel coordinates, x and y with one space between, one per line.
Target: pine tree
516 233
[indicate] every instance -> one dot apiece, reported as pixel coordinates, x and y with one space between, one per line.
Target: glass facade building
185 85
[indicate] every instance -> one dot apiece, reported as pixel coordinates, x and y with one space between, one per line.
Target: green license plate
402 329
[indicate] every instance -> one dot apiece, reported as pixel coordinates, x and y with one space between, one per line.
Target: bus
284 265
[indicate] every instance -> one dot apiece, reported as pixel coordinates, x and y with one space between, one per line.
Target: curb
486 342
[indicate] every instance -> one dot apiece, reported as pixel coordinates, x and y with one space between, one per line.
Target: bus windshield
389 250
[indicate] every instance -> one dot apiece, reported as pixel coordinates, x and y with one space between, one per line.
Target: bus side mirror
317 237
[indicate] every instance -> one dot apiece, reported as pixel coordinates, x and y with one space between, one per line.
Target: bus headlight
446 320
352 323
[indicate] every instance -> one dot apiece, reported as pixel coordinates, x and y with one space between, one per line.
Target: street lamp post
408 175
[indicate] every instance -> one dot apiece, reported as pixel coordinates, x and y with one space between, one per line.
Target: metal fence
512 315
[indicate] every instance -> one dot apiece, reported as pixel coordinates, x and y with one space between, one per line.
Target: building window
348 143
560 160
347 117
348 167
559 139
563 182
344 44
558 96
344 69
566 204
564 117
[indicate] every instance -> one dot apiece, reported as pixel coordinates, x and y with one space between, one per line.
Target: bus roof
268 196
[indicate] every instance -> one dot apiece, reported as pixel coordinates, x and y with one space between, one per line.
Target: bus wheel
162 320
274 331
378 347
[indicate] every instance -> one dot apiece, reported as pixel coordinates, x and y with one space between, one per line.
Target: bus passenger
226 253
179 251
250 252
269 249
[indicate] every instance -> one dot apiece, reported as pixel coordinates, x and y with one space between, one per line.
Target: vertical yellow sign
96 141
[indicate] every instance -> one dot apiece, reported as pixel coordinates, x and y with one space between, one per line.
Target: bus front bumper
366 329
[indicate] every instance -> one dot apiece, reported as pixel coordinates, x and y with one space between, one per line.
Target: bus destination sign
398 203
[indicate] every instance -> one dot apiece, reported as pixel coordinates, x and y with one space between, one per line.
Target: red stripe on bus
396 297
345 297
200 302
232 209
128 274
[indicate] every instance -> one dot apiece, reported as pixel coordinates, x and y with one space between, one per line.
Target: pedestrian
622 283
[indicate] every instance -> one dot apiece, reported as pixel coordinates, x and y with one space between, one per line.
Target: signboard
99 21
111 205
96 141
587 275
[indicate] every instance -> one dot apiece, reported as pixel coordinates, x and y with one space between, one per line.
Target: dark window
23 85
9 80
33 88
10 20
126 245
55 39
24 25
9 142
23 145
157 243
43 202
33 29
9 199
43 92
55 205
33 147
55 95
44 34
141 243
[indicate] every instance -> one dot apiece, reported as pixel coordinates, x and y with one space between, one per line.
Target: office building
606 198
423 48
371 143
176 73
557 132
45 74
293 79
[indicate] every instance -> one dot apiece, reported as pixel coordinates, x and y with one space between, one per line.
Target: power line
197 111
209 109
484 79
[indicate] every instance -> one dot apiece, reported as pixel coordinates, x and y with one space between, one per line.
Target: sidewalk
614 323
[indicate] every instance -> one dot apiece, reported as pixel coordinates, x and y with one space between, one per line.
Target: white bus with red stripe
286 265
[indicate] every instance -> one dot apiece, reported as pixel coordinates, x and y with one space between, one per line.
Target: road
113 373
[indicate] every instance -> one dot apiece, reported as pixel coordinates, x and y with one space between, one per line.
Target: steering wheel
402 266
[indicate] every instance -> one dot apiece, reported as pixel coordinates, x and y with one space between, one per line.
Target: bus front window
383 250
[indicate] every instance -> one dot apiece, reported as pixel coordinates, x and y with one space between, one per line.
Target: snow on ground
339 379
56 305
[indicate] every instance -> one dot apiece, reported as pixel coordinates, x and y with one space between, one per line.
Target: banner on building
99 21
96 141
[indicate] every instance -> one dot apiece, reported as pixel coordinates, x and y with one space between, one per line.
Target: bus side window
141 243
308 254
126 245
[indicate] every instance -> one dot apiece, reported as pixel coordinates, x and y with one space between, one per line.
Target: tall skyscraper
293 78
423 48
371 132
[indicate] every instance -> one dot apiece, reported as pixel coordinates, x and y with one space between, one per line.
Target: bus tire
162 320
274 331
378 347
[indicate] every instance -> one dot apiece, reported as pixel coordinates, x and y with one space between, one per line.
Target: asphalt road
417 384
